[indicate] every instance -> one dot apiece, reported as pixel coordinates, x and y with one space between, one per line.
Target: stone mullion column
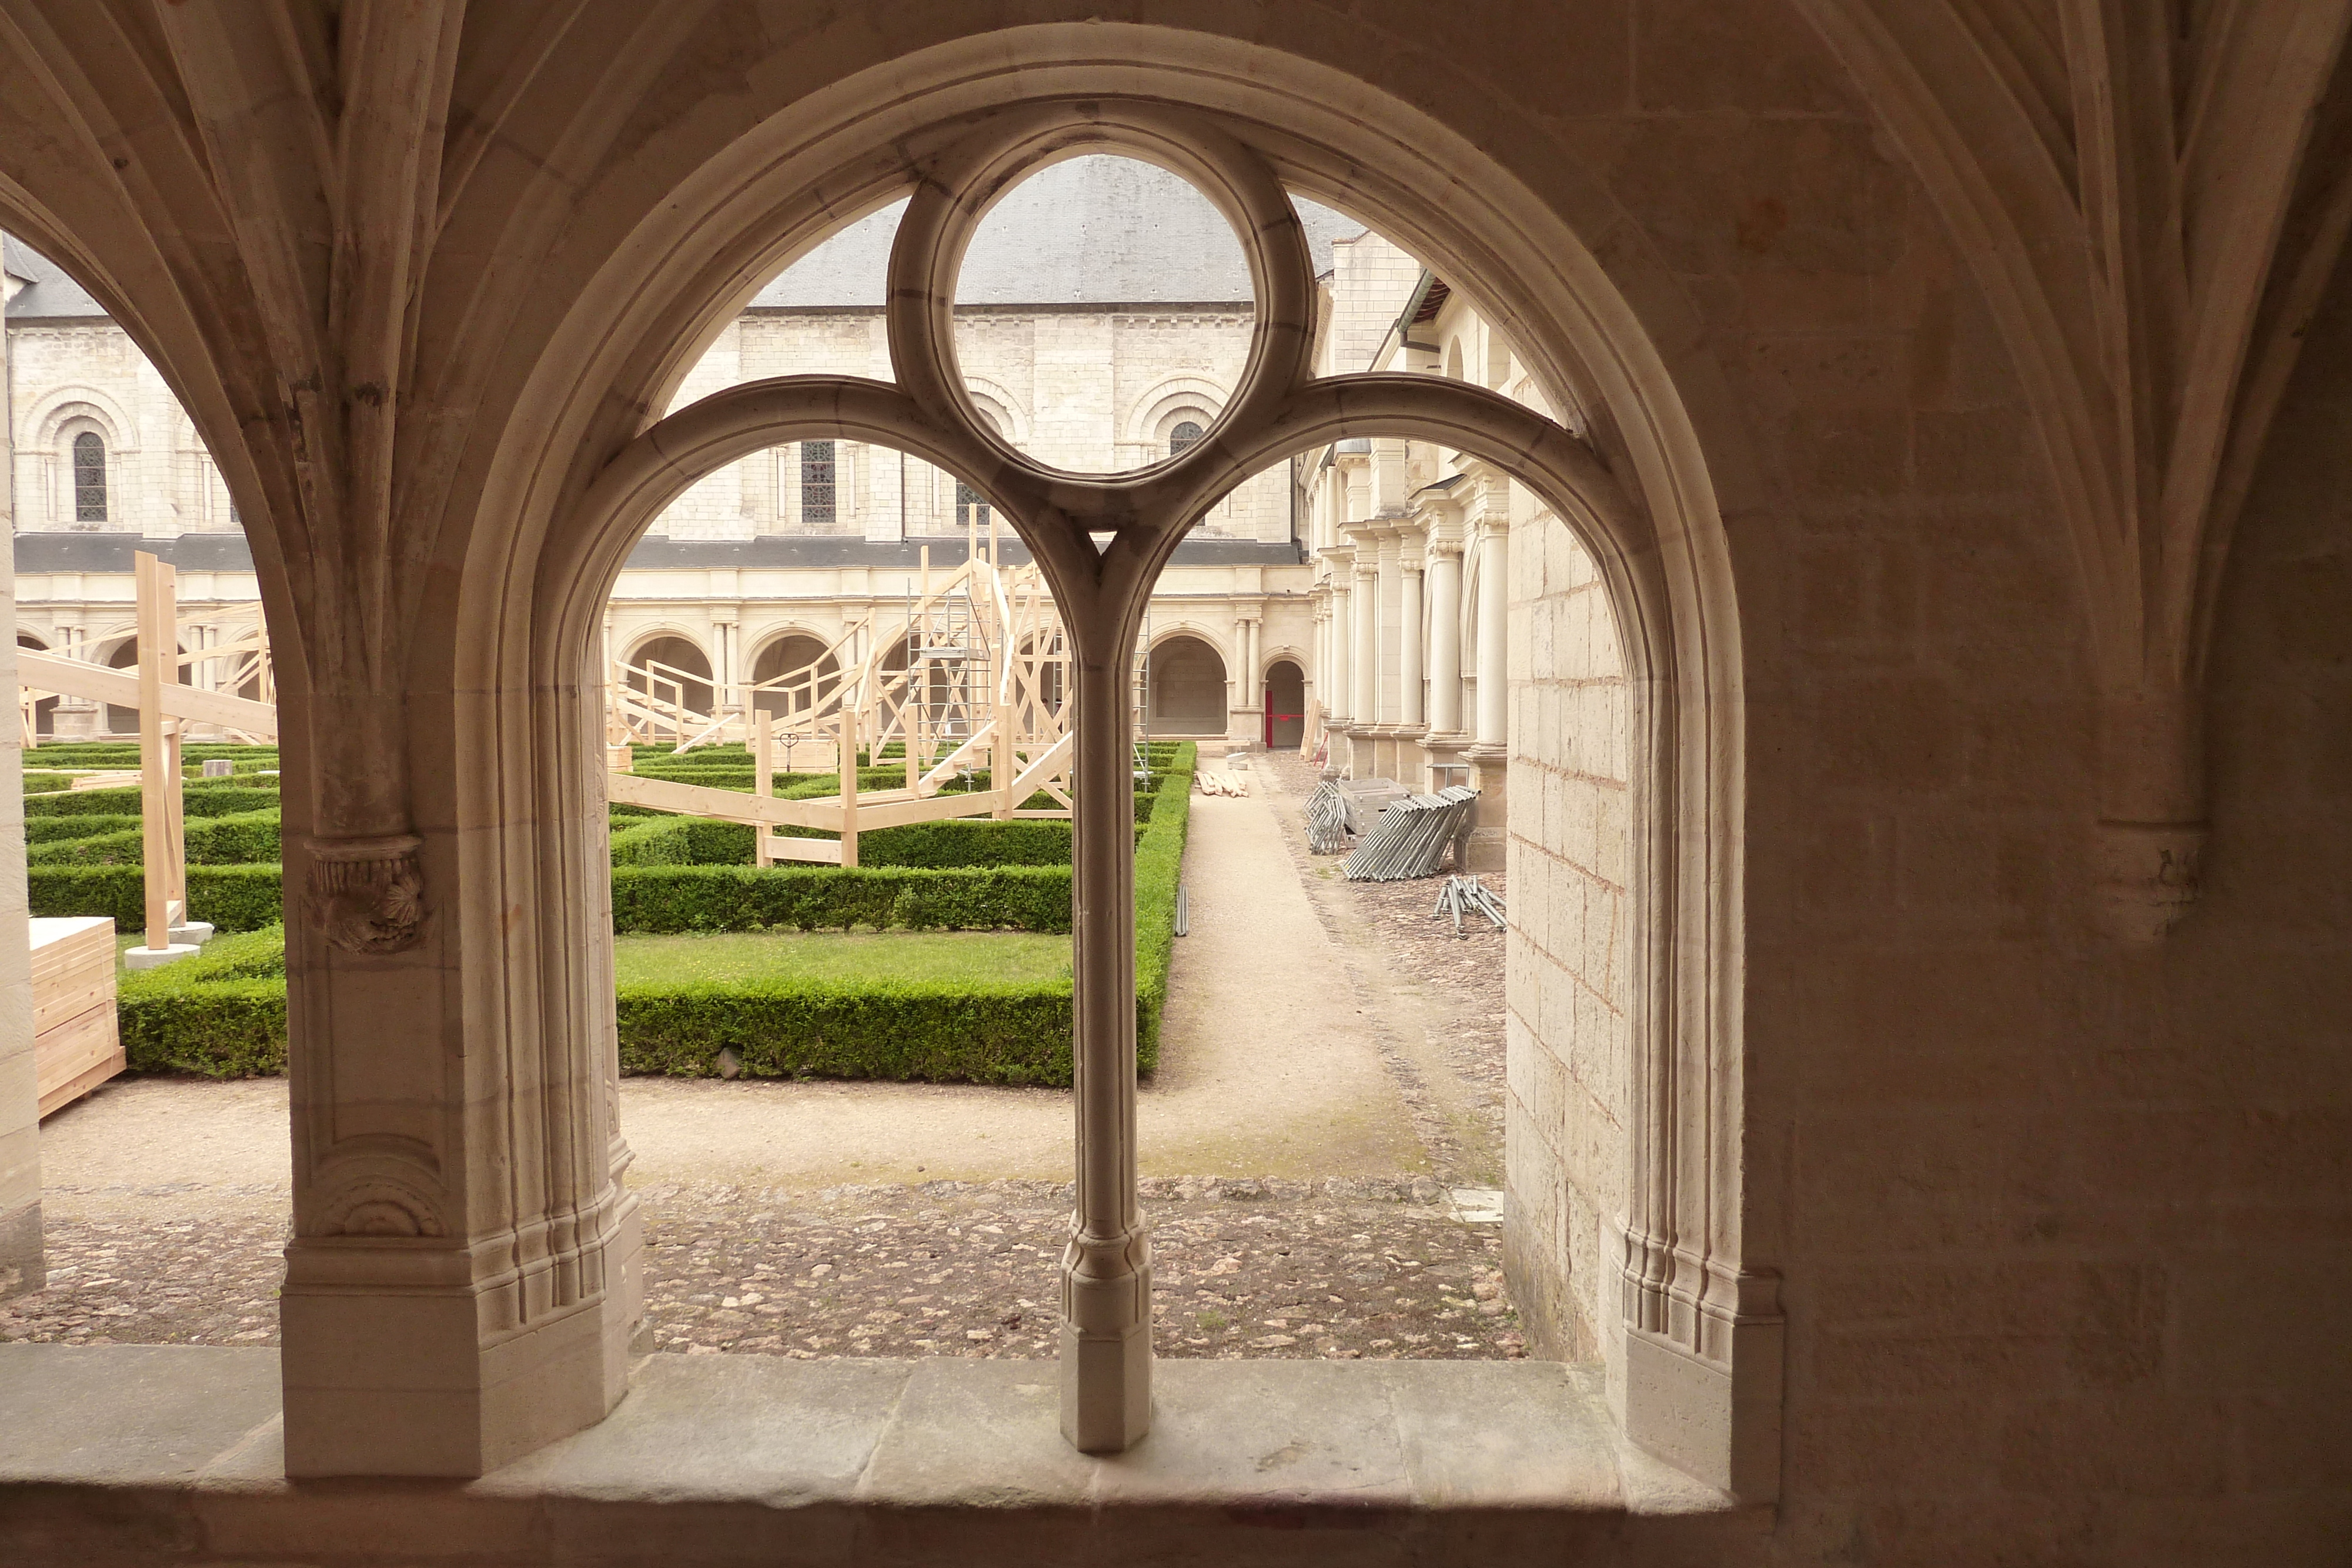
1106 1345
1444 636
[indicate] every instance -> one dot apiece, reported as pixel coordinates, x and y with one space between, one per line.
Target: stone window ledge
173 1453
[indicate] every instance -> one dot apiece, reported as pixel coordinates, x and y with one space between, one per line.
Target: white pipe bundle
1410 836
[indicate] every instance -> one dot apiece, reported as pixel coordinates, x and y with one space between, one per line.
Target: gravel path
1244 1266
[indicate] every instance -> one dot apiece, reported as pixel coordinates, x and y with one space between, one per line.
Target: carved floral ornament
1101 542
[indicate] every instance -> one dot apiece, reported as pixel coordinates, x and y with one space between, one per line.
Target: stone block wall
1567 1096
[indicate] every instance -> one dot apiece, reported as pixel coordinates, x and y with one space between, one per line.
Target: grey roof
48 294
112 551
1098 230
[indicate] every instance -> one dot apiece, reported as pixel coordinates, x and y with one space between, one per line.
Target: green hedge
666 899
1010 1034
220 797
1159 865
220 1013
230 897
246 838
53 830
42 783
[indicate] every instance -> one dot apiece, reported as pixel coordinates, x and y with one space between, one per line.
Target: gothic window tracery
818 485
89 477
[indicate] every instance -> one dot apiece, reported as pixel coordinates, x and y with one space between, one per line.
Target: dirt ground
166 1198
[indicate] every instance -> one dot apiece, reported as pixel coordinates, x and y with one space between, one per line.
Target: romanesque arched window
89 477
816 483
972 506
1186 433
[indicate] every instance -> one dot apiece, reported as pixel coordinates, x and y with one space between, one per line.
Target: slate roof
1098 230
48 294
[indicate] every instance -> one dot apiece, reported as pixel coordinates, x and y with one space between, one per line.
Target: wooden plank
79 678
818 852
721 805
935 809
76 1057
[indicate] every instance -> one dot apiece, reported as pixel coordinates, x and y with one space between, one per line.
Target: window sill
174 1452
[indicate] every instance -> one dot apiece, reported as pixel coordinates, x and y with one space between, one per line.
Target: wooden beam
95 682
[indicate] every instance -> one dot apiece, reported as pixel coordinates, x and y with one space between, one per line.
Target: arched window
972 506
1183 436
816 482
89 477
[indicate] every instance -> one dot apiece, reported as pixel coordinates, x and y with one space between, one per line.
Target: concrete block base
156 958
194 934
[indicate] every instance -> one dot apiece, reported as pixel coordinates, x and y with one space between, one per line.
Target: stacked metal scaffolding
1410 836
1326 820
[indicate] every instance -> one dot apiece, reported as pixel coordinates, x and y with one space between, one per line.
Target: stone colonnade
1402 588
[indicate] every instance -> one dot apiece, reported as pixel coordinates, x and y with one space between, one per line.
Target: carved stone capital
368 894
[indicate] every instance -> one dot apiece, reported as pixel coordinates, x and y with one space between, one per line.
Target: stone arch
57 423
1647 501
1186 686
1151 416
1002 408
1285 679
680 652
787 649
549 508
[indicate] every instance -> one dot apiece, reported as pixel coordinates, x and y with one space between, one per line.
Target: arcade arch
1677 1214
566 493
1186 682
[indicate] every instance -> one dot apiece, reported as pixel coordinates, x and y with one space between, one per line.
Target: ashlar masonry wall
1568 1039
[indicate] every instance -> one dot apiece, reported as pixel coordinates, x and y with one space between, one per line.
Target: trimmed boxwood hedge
215 798
230 897
246 838
54 829
941 1033
668 899
222 1012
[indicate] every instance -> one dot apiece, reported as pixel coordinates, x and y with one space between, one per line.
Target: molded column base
399 1380
1489 775
1716 1422
1105 1388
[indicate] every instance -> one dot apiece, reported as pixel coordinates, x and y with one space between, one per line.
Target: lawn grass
979 959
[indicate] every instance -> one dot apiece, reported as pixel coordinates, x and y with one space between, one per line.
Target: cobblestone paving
173 1282
1242 1267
